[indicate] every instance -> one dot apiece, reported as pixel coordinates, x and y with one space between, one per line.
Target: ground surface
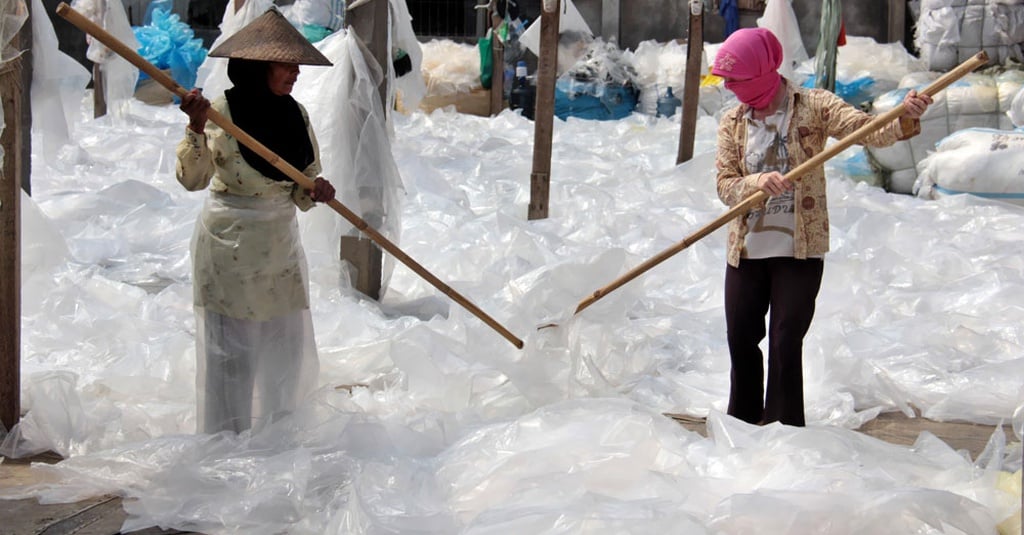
105 515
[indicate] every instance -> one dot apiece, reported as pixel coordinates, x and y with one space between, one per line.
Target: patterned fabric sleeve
842 120
195 162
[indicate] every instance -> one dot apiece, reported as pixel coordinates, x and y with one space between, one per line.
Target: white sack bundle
981 161
976 101
950 31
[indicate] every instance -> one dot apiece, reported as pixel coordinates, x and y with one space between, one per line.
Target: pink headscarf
750 58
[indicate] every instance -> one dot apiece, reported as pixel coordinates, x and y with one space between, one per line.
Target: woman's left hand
323 191
915 104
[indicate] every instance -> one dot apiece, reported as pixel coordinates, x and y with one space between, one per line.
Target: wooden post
825 64
497 74
610 11
99 97
691 88
99 91
483 17
544 116
897 21
15 79
370 22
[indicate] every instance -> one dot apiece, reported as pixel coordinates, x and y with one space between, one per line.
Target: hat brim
270 37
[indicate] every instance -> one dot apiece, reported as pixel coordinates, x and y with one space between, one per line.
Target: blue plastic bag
168 43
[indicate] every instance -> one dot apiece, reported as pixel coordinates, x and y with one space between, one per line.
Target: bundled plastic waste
168 43
450 67
978 100
601 85
981 161
316 19
658 66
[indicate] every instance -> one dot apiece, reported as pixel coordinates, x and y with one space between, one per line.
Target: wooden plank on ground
897 428
102 515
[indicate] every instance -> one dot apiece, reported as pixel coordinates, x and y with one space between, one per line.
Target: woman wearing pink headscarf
776 251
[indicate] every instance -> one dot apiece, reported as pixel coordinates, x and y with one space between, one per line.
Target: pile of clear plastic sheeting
427 421
978 100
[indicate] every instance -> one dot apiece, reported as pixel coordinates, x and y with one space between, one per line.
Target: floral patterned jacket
816 115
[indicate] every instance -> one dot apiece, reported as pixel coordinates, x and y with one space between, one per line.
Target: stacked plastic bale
983 162
980 161
979 100
950 31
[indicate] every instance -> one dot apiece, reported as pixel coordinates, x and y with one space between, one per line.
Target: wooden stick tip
62 8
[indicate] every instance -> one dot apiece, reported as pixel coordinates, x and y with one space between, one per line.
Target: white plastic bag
569 20
781 20
120 76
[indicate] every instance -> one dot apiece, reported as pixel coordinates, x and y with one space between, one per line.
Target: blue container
668 103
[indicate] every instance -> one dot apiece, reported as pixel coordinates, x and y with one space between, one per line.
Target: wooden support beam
497 76
370 22
99 91
15 79
691 87
897 21
544 117
610 14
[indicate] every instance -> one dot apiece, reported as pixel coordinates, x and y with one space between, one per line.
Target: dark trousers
787 287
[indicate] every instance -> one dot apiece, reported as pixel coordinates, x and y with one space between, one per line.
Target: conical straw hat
270 37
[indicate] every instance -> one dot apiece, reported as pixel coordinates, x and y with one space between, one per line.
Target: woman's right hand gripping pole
197 107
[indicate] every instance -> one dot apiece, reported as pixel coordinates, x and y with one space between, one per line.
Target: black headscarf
273 120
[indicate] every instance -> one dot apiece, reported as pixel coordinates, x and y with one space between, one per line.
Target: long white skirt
250 373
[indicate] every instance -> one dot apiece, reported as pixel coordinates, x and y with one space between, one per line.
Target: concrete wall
639 20
664 20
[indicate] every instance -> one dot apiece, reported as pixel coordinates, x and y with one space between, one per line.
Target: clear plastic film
355 148
58 86
425 420
119 76
13 15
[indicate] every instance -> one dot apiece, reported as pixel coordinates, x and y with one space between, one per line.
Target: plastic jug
668 103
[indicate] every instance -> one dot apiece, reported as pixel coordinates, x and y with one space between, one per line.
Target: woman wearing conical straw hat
255 351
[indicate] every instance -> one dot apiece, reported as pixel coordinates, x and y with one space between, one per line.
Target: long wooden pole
15 79
691 88
744 206
163 79
544 114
